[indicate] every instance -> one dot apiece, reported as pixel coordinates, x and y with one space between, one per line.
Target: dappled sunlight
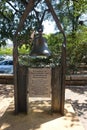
40 105
76 95
6 90
5 126
40 117
6 97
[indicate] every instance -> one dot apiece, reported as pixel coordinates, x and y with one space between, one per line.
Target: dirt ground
75 95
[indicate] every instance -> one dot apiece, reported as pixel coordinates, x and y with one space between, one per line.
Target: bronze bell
40 47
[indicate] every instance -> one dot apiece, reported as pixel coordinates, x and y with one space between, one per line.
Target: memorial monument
39 79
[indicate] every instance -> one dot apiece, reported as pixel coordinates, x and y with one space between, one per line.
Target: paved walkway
75 95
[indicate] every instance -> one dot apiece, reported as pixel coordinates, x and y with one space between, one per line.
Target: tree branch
13 7
37 15
55 17
28 9
37 2
44 15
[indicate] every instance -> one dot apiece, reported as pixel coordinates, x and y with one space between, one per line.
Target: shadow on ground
40 113
39 118
78 98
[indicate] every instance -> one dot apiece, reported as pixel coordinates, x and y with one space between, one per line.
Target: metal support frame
17 91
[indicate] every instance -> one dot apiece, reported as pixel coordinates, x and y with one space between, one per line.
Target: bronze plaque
39 82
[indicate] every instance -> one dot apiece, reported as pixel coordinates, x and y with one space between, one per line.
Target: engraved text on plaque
39 82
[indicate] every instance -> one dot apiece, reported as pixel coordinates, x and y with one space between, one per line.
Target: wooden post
18 93
56 89
15 61
22 89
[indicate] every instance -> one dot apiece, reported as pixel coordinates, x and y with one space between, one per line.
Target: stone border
70 79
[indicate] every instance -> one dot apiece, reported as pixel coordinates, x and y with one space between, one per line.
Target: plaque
39 82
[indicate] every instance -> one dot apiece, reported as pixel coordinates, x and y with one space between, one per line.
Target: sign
39 82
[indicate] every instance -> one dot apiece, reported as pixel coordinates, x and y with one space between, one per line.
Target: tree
68 11
13 15
10 14
9 18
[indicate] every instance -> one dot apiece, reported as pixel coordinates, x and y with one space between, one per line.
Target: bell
40 47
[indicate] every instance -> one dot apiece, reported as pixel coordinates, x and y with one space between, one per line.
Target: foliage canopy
69 13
